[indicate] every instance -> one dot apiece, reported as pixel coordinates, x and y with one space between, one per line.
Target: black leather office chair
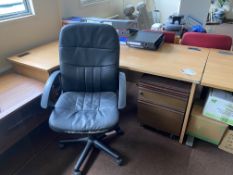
92 89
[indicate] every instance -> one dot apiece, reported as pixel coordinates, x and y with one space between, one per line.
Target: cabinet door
18 124
160 118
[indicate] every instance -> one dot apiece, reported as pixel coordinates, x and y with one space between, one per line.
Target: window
85 2
14 8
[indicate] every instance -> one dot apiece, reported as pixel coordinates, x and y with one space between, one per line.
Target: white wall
167 8
229 14
196 8
22 34
106 8
102 9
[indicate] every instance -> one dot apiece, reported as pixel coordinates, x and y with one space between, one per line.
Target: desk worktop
219 70
45 57
168 61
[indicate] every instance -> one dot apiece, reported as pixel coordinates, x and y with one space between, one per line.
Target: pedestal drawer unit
162 103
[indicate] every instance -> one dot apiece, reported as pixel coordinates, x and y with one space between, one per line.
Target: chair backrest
207 40
169 37
89 57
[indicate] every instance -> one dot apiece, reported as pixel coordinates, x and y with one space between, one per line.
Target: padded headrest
89 35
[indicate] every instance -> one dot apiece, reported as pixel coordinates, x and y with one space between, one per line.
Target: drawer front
174 91
165 83
160 118
162 99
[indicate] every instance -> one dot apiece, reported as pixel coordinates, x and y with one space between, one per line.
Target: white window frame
29 10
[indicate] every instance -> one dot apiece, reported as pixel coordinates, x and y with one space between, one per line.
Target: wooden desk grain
219 70
37 63
168 61
44 57
16 91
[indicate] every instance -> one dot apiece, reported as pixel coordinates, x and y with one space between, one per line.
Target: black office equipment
176 19
146 40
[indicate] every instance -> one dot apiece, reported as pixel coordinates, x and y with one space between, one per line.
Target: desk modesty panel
169 61
219 70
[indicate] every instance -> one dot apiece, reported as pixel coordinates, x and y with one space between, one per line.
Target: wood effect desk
37 63
167 62
219 70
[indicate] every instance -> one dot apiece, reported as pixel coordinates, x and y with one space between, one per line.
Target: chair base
93 142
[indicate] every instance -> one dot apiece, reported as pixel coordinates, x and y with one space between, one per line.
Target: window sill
17 18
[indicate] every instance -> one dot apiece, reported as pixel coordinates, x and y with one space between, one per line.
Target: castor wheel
119 162
77 173
61 145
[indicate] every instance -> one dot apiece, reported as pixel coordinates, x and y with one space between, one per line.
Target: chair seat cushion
81 112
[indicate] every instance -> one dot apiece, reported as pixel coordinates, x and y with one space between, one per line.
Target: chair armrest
122 91
47 89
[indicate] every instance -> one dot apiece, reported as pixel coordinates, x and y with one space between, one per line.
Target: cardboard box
227 142
205 128
219 106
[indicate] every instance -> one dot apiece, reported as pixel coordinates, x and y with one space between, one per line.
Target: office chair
207 40
169 37
92 89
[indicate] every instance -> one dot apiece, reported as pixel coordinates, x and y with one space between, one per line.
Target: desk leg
187 113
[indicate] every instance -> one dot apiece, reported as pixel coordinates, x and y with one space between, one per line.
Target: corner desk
168 61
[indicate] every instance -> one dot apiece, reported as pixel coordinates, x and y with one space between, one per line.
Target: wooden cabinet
20 110
19 123
162 103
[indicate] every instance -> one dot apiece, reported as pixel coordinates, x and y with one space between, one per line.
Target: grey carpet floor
146 152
